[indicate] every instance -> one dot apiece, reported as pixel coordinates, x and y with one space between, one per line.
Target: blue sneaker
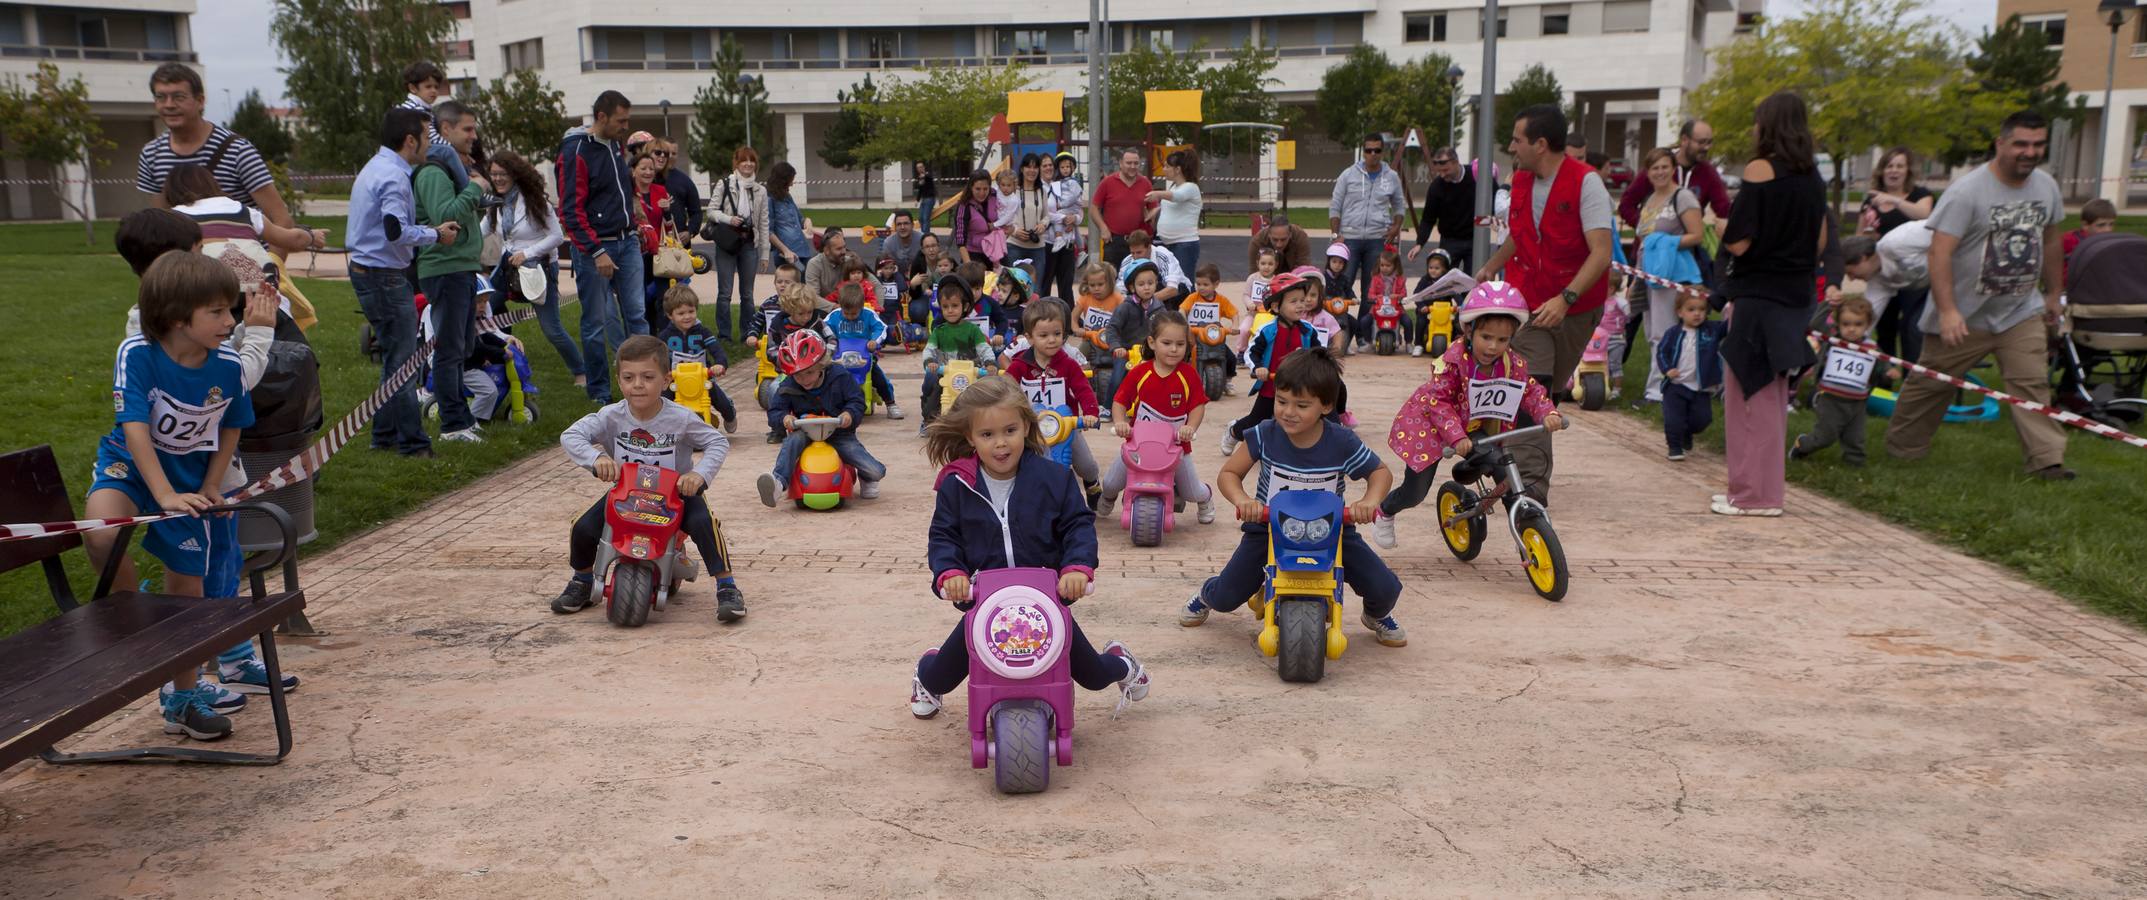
1194 614
1386 630
221 699
188 713
251 677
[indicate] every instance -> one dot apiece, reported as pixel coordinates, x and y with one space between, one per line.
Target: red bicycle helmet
800 351
1283 283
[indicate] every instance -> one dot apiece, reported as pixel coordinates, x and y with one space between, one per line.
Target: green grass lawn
66 306
2079 538
876 215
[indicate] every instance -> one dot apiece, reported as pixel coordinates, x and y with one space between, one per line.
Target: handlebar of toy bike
1563 424
1348 514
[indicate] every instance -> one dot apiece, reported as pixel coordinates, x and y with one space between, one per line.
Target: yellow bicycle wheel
1464 538
1546 559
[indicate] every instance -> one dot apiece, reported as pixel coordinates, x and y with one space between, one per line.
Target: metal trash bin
287 415
256 532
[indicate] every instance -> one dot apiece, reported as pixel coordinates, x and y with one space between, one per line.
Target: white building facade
113 46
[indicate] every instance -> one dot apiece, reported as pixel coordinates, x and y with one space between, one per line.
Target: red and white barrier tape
2074 419
300 467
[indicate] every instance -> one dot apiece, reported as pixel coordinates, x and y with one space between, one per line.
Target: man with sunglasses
1365 214
1449 206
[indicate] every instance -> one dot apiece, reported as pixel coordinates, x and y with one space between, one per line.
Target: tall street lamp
2113 12
665 105
745 93
1453 88
1487 132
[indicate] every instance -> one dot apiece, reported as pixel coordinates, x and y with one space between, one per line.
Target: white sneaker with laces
1230 442
1135 684
1105 504
466 436
1207 507
1416 349
894 412
1383 530
867 490
923 703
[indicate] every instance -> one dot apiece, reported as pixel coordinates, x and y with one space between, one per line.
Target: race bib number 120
1495 398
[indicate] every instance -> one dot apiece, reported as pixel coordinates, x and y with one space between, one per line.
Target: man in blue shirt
383 233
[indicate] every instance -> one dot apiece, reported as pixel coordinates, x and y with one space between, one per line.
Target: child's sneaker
575 597
894 413
251 677
1796 448
1230 442
730 424
1194 614
1386 630
923 703
921 427
1677 454
774 437
868 490
1135 684
1105 503
1416 349
767 486
188 713
1383 530
465 436
1349 419
1206 508
730 603
222 701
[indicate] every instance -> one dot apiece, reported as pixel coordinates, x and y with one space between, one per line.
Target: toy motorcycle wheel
1544 558
1302 655
431 411
529 411
766 394
1438 345
1593 391
1466 537
1386 343
633 588
1214 380
1021 746
1147 513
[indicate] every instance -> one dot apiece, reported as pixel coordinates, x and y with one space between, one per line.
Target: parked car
1617 173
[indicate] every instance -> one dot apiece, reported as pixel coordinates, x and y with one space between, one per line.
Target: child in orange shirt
1092 311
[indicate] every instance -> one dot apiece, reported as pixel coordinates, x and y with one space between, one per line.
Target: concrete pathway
1822 705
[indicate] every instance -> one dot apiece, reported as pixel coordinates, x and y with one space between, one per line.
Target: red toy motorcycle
642 556
1387 324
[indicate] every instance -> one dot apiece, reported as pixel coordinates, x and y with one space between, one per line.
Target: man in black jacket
1450 206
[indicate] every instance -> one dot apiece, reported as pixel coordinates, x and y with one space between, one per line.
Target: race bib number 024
178 428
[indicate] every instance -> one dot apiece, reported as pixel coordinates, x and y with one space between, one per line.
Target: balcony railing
915 62
111 54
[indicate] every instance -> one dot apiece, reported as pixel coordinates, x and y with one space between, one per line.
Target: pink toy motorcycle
1150 505
1594 381
1020 678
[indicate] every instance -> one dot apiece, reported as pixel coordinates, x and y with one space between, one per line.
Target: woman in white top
530 239
739 202
1177 210
1026 215
1669 210
1062 252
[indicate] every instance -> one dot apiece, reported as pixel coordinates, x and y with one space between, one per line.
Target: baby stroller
2100 361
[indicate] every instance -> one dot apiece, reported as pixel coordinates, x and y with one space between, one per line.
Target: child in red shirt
1050 377
1290 298
1162 389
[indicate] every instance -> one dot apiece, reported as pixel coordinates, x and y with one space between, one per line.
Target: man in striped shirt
239 169
426 83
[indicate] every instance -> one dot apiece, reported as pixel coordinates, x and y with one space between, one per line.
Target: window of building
462 87
1161 38
1557 20
1747 22
1625 15
458 51
877 45
1080 40
2052 25
527 54
1501 31
90 31
1416 28
459 9
1023 42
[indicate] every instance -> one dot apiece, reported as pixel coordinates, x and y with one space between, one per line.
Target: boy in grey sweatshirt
645 428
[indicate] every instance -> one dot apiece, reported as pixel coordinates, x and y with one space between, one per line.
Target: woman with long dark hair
786 224
974 220
1177 210
530 236
1778 231
1062 252
1896 200
1027 216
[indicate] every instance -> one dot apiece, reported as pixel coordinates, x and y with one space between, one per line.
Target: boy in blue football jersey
179 400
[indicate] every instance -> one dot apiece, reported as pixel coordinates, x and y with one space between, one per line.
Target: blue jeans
449 300
384 296
742 266
1188 255
1246 573
605 319
1363 261
846 446
548 319
1685 413
1035 257
924 214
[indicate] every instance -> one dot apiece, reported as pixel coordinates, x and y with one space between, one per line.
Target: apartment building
2084 37
113 48
1627 63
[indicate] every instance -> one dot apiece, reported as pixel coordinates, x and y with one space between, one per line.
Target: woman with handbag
1026 214
738 224
1673 211
530 239
652 216
786 223
976 232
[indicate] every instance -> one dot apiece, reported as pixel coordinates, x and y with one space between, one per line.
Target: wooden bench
1260 210
68 673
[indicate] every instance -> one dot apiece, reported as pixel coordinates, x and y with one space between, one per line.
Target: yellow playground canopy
1025 107
1173 106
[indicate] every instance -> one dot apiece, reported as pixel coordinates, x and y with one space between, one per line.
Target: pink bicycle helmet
1495 298
1338 249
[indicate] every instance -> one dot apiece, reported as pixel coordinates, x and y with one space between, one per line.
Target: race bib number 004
1204 314
1495 398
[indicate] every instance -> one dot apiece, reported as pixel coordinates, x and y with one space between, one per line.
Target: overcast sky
232 36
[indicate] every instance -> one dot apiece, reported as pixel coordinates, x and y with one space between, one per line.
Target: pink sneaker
1349 419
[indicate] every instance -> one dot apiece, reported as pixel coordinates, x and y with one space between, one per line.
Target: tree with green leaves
720 109
839 145
1415 94
1536 85
937 119
1236 91
1875 73
1348 90
346 61
252 122
2012 59
522 113
49 121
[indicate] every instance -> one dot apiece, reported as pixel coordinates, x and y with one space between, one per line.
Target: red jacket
1081 394
1543 265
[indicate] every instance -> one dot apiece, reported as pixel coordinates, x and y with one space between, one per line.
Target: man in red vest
1557 252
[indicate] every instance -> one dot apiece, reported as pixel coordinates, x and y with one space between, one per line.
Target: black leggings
1060 271
946 670
1416 484
706 532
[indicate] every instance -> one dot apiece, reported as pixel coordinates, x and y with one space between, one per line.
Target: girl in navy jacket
993 461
